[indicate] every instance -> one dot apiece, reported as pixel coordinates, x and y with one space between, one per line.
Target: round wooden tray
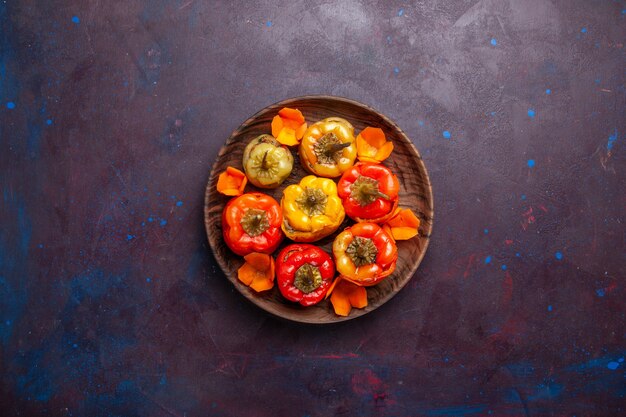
405 162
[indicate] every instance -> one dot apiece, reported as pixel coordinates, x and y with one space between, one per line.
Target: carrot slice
403 225
347 295
288 126
291 114
231 182
287 136
372 146
257 272
300 131
277 125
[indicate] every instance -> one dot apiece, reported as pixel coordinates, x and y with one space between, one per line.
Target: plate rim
285 103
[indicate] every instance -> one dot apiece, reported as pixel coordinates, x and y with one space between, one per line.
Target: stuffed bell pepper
251 223
364 254
369 192
267 163
311 209
304 273
328 147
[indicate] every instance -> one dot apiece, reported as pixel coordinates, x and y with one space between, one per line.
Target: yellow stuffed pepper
311 210
328 147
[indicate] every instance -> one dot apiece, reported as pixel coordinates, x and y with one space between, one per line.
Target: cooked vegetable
372 146
288 126
304 273
346 295
364 254
257 272
251 223
231 182
267 163
311 210
328 148
403 225
369 192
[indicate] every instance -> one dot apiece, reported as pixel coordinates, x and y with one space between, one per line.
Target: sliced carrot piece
277 125
341 303
291 114
374 136
257 272
287 136
332 286
372 146
347 295
403 225
300 131
358 297
405 217
384 151
231 182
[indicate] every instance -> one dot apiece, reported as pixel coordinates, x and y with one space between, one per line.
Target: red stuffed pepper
304 273
365 254
251 223
369 192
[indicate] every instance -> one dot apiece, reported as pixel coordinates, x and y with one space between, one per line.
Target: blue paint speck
396 70
503 267
600 292
487 259
49 122
612 139
493 113
612 365
548 91
583 30
10 105
268 24
485 231
130 237
523 197
549 308
148 279
8 322
41 246
518 254
494 42
446 134
75 19
74 345
420 123
163 222
531 163
389 39
558 255
179 203
623 11
150 219
531 113
400 12
143 224
620 360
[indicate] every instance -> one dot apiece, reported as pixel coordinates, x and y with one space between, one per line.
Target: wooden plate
405 162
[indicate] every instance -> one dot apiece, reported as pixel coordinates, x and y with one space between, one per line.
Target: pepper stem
328 148
365 190
362 251
254 222
312 201
308 278
264 161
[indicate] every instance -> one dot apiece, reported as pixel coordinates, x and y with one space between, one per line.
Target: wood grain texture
405 162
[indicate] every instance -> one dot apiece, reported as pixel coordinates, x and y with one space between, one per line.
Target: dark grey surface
111 303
